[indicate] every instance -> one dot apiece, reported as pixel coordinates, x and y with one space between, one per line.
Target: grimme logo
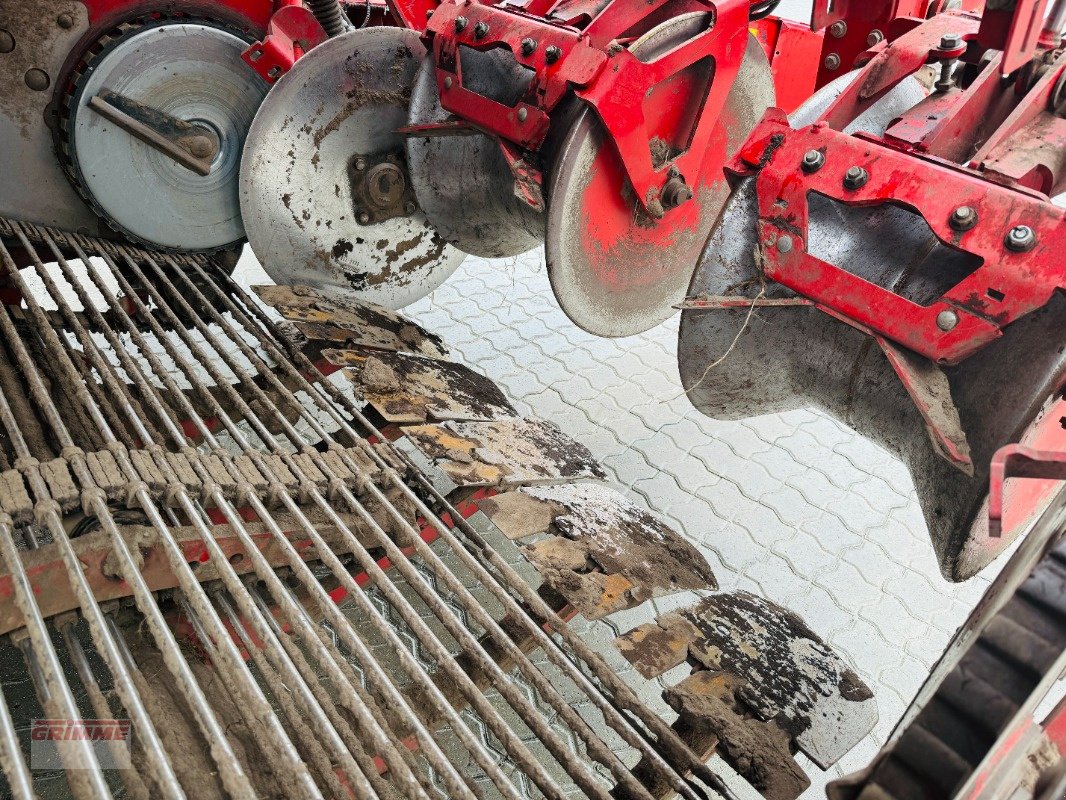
60 743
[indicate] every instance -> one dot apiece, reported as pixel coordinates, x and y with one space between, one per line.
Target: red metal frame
1018 143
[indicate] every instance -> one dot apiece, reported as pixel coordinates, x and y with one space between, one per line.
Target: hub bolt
363 218
360 164
963 218
481 30
813 160
1021 238
552 54
528 46
7 42
409 207
460 24
832 61
855 178
838 29
875 37
947 320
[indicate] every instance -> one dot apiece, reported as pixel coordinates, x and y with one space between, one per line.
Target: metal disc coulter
325 192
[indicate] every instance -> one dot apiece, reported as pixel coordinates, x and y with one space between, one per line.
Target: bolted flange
963 218
813 160
855 178
1020 239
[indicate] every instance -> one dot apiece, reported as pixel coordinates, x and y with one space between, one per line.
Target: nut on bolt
460 24
552 54
832 61
838 29
1020 238
676 192
963 218
360 164
950 41
813 160
875 37
855 178
481 30
528 46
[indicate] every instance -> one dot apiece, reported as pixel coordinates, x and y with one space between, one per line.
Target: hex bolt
813 160
460 24
784 243
676 192
947 320
528 46
448 82
552 54
7 42
950 41
409 207
522 114
65 21
838 29
37 79
855 178
832 61
1020 239
360 164
963 218
481 30
875 38
363 218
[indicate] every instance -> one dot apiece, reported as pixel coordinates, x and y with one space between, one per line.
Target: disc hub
380 188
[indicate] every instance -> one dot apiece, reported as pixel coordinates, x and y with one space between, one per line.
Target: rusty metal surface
408 389
786 672
338 318
348 96
597 549
504 453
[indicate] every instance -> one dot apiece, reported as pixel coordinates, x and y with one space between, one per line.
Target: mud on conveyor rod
185 498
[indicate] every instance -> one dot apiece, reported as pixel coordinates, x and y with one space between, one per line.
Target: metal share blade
325 193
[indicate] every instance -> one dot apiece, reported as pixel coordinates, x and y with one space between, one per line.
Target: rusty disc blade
311 211
616 271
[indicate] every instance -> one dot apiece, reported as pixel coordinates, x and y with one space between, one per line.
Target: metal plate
504 453
462 182
345 97
614 271
788 672
601 552
340 318
408 389
193 72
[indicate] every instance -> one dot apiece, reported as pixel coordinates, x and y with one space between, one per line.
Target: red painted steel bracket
1018 461
600 71
1020 282
292 31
